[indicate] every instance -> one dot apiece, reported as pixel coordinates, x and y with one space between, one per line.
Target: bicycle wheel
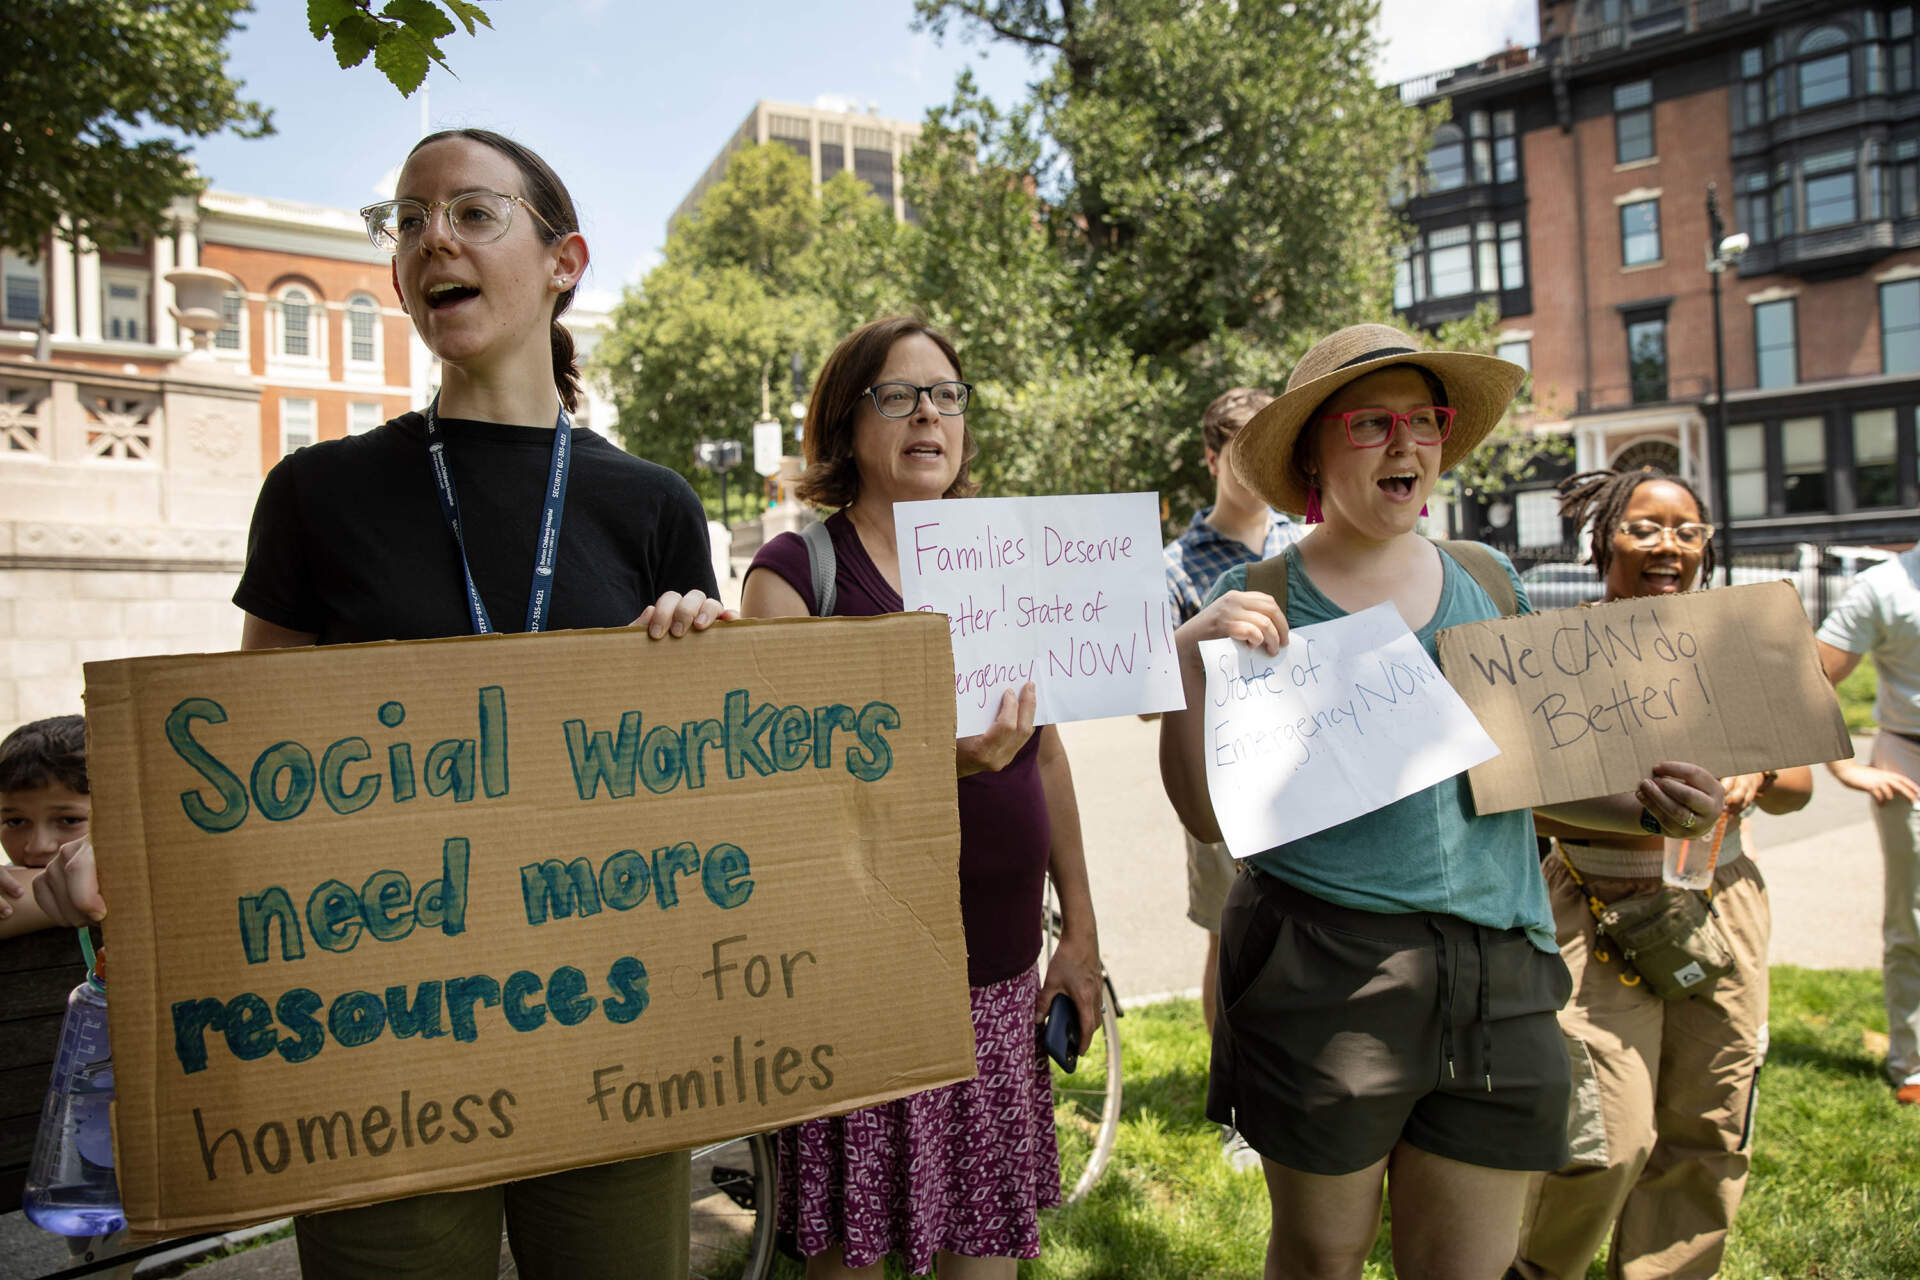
731 1228
1086 1103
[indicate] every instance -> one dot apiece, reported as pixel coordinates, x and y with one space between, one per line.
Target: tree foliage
403 36
83 81
764 268
1191 192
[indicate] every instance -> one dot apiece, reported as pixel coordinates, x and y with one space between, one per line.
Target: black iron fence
1555 577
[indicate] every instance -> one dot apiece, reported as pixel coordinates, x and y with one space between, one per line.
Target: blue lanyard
540 593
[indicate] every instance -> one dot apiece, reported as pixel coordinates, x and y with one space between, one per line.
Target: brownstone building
1571 189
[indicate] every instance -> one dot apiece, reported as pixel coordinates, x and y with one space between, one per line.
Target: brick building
1570 189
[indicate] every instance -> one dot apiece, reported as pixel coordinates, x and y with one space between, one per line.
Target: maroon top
1005 841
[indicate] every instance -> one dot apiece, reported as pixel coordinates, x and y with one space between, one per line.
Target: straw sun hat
1479 389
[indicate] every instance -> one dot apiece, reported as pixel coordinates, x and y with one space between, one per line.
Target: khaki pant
627 1220
1900 924
1674 1082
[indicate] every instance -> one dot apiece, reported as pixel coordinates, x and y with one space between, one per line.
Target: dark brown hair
1229 412
832 477
45 752
1604 495
548 195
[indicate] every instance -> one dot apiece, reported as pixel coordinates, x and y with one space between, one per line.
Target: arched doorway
1661 455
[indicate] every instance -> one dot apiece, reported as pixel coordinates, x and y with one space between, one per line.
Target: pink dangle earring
1313 515
1423 509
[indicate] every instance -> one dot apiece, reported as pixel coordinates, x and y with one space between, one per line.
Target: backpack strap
823 564
1480 565
1270 576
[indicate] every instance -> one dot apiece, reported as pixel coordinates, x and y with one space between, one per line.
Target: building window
1904 198
233 313
1406 290
1751 94
1803 454
1751 207
1825 73
873 160
1776 358
1746 471
1513 268
362 416
296 325
833 149
1900 327
1450 262
1900 27
1782 200
126 307
1647 358
1833 197
1506 148
793 131
22 291
1633 122
363 330
1519 351
1639 232
297 425
1447 159
1875 479
1537 517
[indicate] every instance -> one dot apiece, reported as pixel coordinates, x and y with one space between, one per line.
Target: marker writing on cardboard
1582 645
761 738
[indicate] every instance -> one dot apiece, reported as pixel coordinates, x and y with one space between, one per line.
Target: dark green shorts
1342 1032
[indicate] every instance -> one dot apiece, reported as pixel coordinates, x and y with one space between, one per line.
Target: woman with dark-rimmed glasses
956 1174
1666 1124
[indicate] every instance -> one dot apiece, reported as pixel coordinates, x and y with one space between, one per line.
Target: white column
89 291
190 240
166 330
60 281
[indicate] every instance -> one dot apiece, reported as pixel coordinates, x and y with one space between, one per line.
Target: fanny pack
1669 939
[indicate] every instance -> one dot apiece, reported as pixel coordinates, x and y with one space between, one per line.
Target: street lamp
719 456
1722 252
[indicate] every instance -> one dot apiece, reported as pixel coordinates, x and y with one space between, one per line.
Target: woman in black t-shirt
448 522
355 539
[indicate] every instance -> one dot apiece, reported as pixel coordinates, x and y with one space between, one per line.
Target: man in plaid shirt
1237 529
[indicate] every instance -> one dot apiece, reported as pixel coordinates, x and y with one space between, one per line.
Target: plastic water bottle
70 1188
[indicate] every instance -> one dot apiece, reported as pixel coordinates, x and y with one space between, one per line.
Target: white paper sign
1351 716
1069 592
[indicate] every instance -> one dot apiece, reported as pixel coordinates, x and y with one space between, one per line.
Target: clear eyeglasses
474 217
1648 534
900 399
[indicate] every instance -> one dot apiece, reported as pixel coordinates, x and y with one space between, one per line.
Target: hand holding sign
1350 716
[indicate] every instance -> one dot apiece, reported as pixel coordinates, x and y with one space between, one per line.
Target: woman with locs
1387 986
956 1174
370 538
1664 1113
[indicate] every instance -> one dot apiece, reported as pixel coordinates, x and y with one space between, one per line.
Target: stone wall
124 503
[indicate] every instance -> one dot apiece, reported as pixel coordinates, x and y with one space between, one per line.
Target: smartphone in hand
1060 1034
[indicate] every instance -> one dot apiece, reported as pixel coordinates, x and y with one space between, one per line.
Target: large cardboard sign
1068 592
396 918
1351 716
1584 702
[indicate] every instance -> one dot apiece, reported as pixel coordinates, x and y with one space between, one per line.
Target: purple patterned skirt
965 1168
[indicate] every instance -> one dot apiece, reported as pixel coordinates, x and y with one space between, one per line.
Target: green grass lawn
1856 696
1834 1193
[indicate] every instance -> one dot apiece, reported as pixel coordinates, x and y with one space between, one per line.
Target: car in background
1820 575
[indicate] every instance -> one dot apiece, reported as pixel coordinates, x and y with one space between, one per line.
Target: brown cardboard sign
1584 702
408 917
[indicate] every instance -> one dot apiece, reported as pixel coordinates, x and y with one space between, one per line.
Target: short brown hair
1230 411
832 477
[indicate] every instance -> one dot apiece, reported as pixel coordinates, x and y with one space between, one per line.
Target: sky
630 100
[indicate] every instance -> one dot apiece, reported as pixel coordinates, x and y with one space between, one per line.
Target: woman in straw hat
1388 985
